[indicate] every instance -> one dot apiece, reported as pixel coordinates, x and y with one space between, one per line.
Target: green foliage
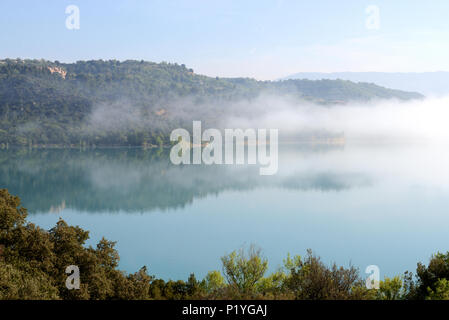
311 279
213 283
273 286
441 291
16 284
391 289
33 261
244 269
431 279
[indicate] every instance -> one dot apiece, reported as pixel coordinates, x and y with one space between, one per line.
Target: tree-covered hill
44 102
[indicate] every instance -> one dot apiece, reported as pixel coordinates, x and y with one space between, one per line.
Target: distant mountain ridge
427 83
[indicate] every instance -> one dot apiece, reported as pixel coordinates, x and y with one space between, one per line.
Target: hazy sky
265 39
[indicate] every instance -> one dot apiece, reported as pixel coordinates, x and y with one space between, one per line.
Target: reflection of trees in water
133 180
325 181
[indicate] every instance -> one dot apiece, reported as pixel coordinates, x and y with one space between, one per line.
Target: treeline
33 263
51 103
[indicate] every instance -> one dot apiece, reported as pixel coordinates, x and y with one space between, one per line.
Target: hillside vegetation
52 103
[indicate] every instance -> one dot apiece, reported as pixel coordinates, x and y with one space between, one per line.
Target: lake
380 204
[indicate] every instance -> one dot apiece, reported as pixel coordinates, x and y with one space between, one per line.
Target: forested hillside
52 103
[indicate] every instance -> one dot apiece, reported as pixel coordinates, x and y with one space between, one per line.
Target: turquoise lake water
384 204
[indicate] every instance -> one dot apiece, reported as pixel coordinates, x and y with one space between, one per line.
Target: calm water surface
361 204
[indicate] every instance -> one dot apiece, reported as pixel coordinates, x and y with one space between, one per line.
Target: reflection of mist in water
325 182
135 180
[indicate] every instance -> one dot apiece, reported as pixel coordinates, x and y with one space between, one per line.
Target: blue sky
265 39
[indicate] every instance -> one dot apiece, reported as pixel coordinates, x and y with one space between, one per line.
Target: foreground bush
33 261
